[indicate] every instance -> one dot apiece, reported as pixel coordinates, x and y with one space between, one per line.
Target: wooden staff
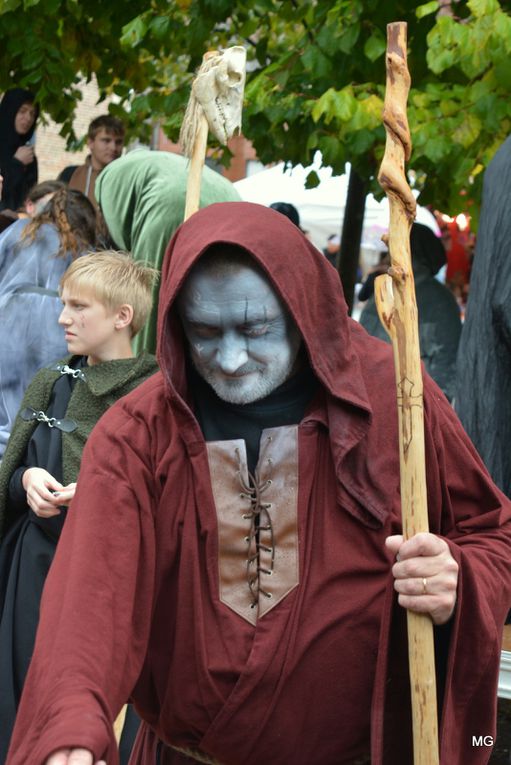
196 149
195 170
397 309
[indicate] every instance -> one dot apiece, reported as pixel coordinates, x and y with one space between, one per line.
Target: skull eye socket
234 76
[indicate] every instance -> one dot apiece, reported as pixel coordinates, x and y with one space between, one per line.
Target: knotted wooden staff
215 104
397 309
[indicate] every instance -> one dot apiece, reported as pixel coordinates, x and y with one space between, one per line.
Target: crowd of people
200 480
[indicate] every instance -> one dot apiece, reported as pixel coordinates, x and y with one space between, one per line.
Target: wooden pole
195 170
397 309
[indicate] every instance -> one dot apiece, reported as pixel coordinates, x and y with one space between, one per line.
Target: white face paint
243 341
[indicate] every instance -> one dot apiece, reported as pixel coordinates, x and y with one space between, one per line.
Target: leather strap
66 424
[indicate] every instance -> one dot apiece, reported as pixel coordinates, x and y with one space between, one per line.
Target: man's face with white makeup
242 340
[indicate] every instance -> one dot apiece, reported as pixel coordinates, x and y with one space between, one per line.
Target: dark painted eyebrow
200 323
244 323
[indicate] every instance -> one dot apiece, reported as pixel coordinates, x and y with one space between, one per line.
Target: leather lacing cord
260 521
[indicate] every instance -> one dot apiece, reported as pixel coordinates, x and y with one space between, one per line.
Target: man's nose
231 355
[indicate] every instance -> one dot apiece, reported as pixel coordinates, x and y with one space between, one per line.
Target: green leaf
334 104
361 141
349 38
160 27
9 5
372 106
368 113
312 141
467 131
312 180
134 32
502 28
315 62
375 46
448 107
332 149
440 60
503 75
482 8
435 149
33 57
426 9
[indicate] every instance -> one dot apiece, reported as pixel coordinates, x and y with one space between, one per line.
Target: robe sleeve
474 517
97 603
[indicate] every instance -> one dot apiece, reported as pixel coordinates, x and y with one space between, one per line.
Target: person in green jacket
142 198
106 298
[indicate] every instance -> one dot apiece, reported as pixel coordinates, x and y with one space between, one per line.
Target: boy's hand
40 485
73 757
66 494
426 575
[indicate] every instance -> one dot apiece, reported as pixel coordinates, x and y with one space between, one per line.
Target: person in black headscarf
439 315
18 163
288 210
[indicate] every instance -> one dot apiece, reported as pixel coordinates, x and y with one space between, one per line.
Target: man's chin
238 391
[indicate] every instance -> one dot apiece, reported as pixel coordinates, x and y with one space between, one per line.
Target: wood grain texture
397 309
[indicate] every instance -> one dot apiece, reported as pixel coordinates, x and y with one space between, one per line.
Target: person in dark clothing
366 291
290 211
439 315
287 209
332 249
18 163
483 385
106 299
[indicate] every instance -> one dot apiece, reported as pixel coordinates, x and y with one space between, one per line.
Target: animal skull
217 91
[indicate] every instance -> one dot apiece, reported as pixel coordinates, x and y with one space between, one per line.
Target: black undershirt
222 421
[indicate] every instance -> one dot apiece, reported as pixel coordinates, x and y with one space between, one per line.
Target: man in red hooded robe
229 560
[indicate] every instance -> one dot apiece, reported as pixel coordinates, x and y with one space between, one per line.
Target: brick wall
242 150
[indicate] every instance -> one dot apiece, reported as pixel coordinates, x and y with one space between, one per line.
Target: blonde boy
106 298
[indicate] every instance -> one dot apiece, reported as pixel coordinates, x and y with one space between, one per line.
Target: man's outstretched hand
426 575
73 757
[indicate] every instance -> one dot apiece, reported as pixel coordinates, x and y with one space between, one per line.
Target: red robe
147 594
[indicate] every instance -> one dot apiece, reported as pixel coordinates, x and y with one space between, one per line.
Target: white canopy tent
321 209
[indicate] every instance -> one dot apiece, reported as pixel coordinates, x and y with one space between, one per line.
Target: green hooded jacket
142 198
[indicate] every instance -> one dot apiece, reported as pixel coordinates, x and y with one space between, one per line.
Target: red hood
302 276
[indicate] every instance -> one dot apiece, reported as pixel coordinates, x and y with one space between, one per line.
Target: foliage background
316 75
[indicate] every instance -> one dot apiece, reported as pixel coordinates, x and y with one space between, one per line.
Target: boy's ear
124 316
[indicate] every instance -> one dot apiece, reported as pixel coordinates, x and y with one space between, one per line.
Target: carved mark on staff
405 400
